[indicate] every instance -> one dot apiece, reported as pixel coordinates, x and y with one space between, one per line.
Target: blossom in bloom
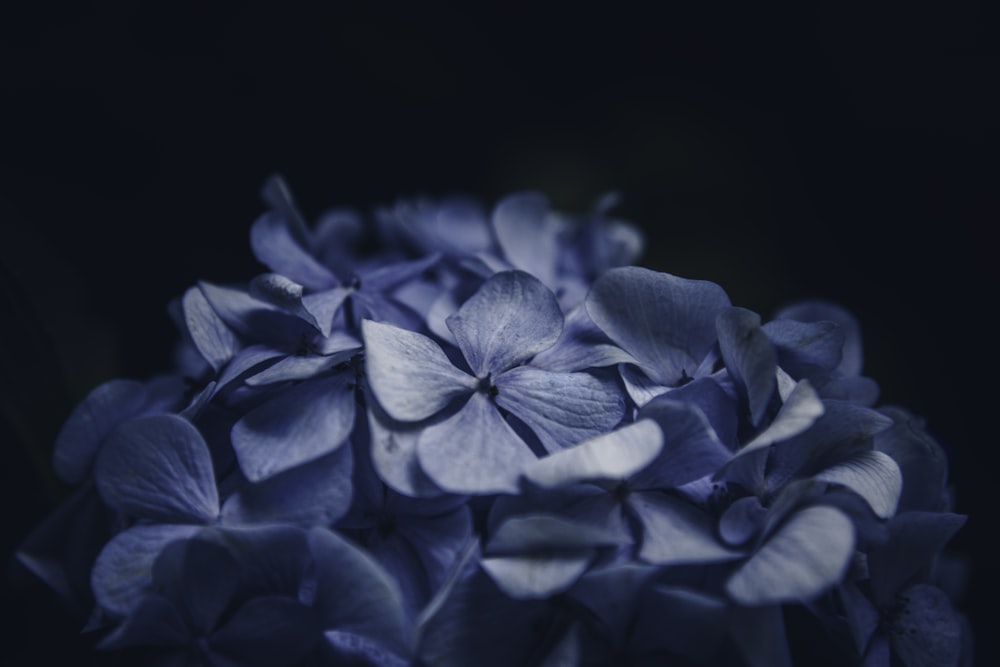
457 434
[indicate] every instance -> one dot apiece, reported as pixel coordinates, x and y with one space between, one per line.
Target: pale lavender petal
394 455
316 493
666 322
299 424
537 576
872 475
808 555
581 346
800 410
511 318
80 437
613 456
282 292
640 388
409 373
275 247
123 572
323 306
527 234
563 409
474 451
158 467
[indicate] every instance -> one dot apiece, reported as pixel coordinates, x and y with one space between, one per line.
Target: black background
826 149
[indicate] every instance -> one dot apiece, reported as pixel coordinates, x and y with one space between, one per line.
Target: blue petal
638 386
155 622
581 345
475 451
872 475
80 437
270 631
862 617
283 293
511 318
298 424
806 556
929 633
760 634
546 533
356 595
257 320
273 244
527 234
356 649
208 582
536 576
123 572
675 532
394 455
698 624
921 460
750 357
741 521
314 493
409 373
274 559
806 349
818 311
799 412
691 450
666 322
323 306
390 276
158 467
613 456
210 335
563 409
295 368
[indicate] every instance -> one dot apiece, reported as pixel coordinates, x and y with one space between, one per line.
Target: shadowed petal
474 451
315 493
563 409
666 322
80 437
394 455
270 631
158 467
690 451
299 424
806 556
929 633
155 622
512 317
750 357
527 234
675 532
123 572
409 373
545 533
273 244
210 335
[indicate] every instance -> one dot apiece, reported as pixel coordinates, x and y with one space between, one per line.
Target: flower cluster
444 435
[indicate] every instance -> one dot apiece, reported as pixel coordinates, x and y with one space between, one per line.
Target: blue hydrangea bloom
450 434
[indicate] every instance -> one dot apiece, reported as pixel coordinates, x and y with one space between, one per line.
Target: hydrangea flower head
449 434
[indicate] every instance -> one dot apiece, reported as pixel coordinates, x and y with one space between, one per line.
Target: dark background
821 149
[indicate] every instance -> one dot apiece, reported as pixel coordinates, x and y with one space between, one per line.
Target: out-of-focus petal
158 467
750 357
872 475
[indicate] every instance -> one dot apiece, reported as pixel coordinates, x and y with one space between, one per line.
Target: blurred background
842 150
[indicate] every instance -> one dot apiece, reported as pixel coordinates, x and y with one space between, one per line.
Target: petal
154 622
527 235
210 335
666 322
409 373
613 456
537 576
273 245
158 467
750 357
872 475
852 358
315 493
323 306
356 595
546 533
274 559
691 450
208 581
298 424
475 451
800 411
386 277
357 649
698 624
806 349
123 572
283 293
269 631
581 345
675 532
741 521
106 406
511 318
929 632
394 455
563 409
806 556
921 460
